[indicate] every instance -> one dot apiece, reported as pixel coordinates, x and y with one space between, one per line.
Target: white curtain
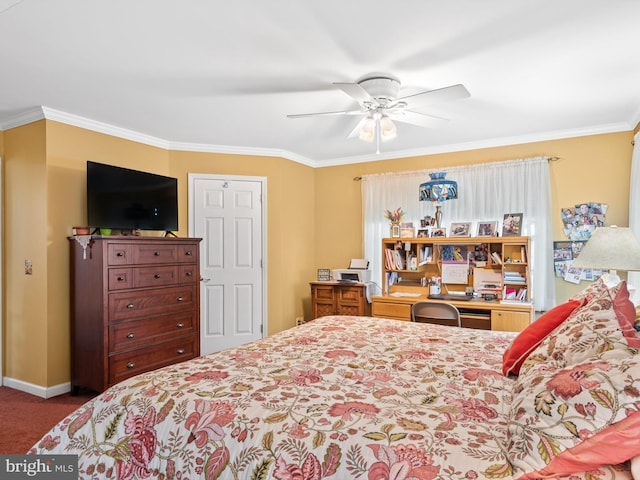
485 193
633 278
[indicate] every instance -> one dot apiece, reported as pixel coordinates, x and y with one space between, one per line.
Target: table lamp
610 248
438 190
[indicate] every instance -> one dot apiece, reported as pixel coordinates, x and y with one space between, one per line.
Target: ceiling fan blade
418 119
453 92
319 114
356 92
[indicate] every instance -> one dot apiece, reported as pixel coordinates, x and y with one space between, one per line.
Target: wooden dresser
135 307
335 298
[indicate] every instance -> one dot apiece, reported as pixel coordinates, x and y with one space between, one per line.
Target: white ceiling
222 76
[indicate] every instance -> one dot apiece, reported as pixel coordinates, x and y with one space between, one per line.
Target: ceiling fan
377 96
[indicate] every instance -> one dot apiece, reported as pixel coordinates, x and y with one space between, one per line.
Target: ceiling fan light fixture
388 130
368 130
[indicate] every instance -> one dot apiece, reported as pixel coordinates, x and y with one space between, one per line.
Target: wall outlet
299 320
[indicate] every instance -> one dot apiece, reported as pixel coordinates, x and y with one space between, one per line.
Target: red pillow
531 336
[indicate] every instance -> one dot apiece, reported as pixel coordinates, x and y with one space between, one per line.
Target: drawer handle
121 279
157 254
188 253
180 325
120 254
189 274
157 275
180 351
131 365
130 306
180 299
131 335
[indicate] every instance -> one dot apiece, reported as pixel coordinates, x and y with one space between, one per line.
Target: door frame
192 177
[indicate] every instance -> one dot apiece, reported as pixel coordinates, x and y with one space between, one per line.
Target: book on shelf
496 258
426 255
400 261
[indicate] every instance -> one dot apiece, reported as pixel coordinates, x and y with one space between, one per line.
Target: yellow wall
25 304
314 218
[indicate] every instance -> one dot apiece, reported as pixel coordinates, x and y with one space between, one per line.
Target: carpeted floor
24 418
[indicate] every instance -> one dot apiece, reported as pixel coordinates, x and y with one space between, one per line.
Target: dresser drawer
119 254
188 253
126 364
145 331
155 253
188 273
155 276
124 305
120 278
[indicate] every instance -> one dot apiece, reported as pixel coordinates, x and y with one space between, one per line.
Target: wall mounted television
121 198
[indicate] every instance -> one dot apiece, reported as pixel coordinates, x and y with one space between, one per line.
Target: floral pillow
532 336
599 326
571 419
592 290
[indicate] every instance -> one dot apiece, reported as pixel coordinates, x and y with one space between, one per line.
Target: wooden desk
510 317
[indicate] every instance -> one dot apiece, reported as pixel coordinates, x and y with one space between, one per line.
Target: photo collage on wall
582 219
579 223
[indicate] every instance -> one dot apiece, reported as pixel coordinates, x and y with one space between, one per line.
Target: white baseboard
37 390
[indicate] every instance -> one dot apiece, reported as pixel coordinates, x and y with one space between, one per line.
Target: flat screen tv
121 198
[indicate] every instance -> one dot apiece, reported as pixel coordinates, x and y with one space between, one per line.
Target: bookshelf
495 268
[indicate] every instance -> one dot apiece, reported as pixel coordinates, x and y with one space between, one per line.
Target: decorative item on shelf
81 230
324 274
394 217
610 248
438 190
512 225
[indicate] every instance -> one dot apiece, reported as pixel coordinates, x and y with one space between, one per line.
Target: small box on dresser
135 307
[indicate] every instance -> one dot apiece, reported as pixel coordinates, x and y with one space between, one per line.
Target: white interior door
227 212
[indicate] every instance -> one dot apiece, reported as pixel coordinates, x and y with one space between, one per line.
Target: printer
358 272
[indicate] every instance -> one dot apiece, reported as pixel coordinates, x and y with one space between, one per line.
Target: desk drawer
126 364
145 331
125 305
399 311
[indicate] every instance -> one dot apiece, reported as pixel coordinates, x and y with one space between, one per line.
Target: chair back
441 313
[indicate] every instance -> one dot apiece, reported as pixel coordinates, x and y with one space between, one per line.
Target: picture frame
487 229
423 232
438 232
324 274
512 225
460 229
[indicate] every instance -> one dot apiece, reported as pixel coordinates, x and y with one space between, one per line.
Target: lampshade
388 129
377 125
438 189
368 130
610 248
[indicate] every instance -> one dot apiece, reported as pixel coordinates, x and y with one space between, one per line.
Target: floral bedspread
339 397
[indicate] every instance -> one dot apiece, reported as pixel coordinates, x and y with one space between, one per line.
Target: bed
346 397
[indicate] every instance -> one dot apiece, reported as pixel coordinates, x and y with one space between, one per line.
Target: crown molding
40 113
258 152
